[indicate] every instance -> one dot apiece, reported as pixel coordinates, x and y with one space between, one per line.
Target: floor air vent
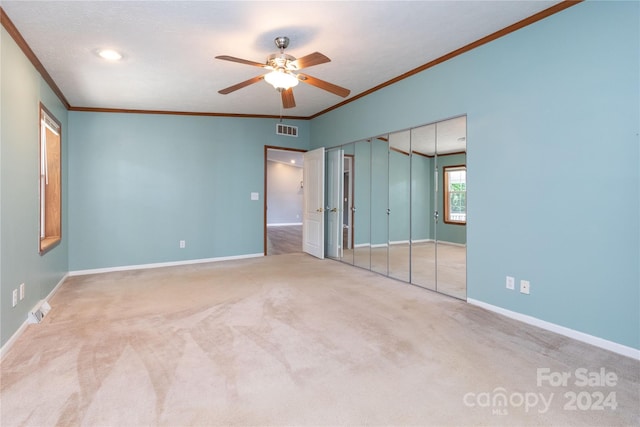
39 311
286 130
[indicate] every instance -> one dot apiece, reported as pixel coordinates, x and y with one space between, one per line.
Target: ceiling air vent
286 130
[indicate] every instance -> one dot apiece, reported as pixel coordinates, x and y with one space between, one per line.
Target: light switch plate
255 196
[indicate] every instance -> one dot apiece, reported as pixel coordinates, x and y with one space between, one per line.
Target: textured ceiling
169 47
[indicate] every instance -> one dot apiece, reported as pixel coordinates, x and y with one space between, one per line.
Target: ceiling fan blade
288 100
241 85
329 87
240 60
310 60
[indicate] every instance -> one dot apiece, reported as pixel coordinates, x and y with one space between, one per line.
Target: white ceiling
169 47
288 157
445 137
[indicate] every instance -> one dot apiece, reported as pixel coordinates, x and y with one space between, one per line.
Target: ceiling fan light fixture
280 79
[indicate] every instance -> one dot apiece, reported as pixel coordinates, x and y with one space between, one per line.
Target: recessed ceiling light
293 161
109 54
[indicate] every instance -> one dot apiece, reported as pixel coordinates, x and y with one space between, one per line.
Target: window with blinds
50 181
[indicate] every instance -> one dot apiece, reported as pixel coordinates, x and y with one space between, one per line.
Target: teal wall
22 91
399 197
362 193
552 121
421 197
379 192
140 183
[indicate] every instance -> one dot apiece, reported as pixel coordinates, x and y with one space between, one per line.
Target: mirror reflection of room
402 205
450 236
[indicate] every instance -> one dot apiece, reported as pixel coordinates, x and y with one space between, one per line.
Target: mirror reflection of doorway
347 202
283 200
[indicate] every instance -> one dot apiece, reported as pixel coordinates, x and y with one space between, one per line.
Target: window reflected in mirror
455 194
50 181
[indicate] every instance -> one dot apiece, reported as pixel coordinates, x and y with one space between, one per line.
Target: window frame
50 202
446 204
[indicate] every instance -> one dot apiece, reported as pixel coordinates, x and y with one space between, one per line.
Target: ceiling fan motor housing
281 61
281 43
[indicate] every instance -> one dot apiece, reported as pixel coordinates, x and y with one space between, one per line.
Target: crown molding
491 37
22 44
15 34
184 113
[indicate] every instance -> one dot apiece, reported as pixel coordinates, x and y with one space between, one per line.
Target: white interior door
334 200
313 203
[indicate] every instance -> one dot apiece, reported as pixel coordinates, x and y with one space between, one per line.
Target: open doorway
283 200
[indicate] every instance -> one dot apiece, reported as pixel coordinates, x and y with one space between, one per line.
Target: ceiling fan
283 75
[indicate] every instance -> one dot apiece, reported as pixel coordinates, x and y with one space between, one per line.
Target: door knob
319 210
334 210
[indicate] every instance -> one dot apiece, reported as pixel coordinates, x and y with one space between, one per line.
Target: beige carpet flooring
291 340
443 269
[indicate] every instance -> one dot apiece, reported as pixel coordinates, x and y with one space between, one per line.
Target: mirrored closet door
400 205
423 187
451 203
396 205
438 207
361 175
347 207
380 204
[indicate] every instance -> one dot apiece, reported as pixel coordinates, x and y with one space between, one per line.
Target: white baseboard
461 245
422 240
624 350
161 264
56 287
404 242
23 327
282 224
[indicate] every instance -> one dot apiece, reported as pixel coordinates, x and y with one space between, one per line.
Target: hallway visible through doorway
283 200
284 239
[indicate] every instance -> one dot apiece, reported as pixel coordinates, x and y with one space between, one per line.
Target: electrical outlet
183 244
21 291
511 283
524 286
15 298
